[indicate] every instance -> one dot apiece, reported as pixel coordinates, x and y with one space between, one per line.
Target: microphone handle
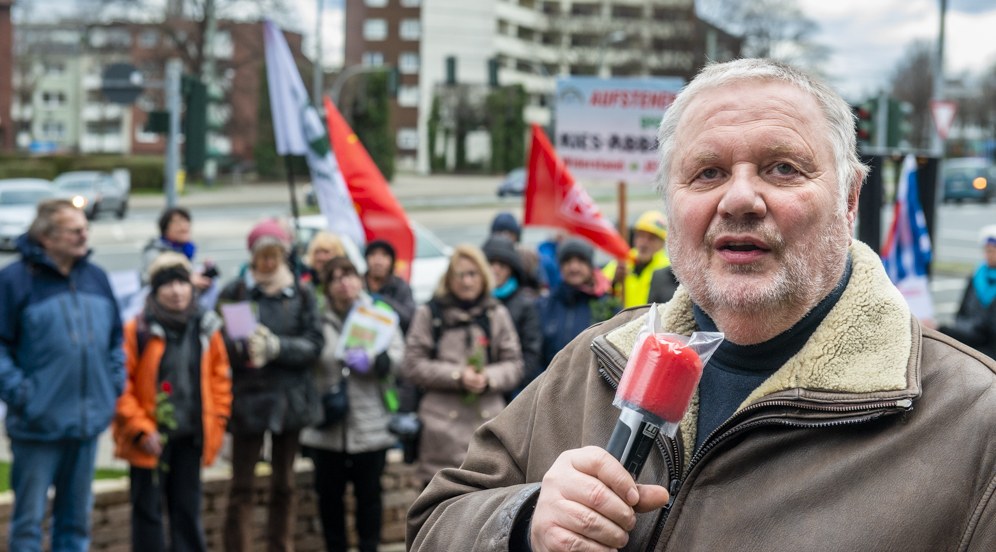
632 440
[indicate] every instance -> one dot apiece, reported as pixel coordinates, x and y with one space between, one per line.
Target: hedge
146 171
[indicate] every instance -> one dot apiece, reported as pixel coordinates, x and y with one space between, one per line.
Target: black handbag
335 402
407 427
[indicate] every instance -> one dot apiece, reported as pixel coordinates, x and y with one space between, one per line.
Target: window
408 96
149 38
410 29
376 3
53 130
373 59
408 63
411 3
54 68
407 138
374 29
53 99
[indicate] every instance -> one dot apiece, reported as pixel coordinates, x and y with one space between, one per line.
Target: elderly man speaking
829 419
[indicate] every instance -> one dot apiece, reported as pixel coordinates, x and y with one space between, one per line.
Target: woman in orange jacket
172 415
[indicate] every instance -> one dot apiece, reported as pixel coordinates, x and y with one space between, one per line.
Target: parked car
432 256
19 198
514 183
94 192
972 178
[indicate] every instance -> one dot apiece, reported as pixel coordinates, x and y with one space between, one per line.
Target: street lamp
615 37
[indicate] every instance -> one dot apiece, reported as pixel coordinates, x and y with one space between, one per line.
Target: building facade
533 41
58 105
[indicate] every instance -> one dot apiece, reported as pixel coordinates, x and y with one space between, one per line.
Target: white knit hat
988 235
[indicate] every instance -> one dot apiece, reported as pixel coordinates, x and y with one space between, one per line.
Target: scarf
271 284
170 319
984 284
507 289
187 248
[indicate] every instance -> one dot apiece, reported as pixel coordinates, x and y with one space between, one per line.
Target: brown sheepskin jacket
877 435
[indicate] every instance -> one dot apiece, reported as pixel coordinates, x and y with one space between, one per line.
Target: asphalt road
459 210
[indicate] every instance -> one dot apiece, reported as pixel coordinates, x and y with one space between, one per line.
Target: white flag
299 131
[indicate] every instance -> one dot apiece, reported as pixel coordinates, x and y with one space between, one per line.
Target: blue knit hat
505 222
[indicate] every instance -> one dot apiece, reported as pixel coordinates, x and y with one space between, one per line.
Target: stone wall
112 509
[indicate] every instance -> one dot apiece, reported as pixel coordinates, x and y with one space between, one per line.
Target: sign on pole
607 128
943 113
122 83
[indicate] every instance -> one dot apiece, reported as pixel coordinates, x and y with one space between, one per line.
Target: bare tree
913 81
979 109
771 28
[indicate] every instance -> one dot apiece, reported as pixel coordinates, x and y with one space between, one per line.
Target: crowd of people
824 381
268 358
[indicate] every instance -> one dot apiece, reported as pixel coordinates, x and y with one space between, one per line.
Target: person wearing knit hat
633 278
266 233
504 224
580 300
574 248
272 386
173 349
383 284
520 300
975 321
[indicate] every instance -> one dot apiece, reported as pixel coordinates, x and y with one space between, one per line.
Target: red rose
167 388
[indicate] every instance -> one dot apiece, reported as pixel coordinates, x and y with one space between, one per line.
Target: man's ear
854 192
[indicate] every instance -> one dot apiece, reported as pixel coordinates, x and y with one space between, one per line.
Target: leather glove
357 361
263 346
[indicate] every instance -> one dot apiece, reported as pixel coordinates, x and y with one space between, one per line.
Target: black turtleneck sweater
734 371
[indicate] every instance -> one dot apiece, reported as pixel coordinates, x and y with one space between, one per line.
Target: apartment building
533 41
58 104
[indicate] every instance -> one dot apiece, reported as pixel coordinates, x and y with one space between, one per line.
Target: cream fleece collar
862 346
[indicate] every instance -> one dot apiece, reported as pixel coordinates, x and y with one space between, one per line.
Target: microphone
654 393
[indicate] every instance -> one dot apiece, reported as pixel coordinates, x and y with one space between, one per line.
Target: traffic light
451 68
393 81
865 123
900 124
493 72
194 124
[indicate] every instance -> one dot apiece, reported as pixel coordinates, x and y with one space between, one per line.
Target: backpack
405 423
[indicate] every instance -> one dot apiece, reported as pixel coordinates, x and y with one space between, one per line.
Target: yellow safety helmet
652 222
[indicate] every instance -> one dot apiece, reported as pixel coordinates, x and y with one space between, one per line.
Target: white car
432 256
19 198
94 192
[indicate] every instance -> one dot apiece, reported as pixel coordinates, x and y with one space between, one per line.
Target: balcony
102 112
102 143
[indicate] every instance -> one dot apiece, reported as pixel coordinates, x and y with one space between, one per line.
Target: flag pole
621 198
295 214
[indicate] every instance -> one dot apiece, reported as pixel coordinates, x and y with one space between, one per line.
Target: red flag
380 213
552 199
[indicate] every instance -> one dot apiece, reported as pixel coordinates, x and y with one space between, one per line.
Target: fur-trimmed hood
862 347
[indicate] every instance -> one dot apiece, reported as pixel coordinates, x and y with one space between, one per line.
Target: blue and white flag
299 131
907 251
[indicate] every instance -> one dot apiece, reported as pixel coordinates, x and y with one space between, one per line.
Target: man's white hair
839 117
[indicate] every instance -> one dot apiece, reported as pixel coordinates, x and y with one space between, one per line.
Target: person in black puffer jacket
520 302
975 322
272 385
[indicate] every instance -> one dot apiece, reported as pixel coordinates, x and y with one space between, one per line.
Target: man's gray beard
792 283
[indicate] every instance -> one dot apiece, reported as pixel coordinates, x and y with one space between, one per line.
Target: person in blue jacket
61 371
580 300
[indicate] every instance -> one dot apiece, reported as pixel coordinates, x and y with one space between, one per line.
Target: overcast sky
866 37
